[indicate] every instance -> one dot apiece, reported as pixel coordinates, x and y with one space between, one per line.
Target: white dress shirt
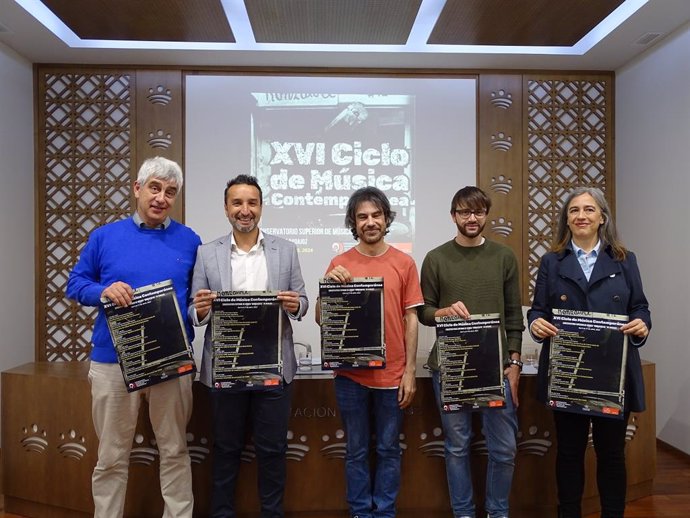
249 269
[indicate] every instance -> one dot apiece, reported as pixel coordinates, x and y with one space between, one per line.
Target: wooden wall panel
500 157
49 450
159 126
48 442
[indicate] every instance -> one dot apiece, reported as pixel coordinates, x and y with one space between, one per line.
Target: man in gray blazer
248 260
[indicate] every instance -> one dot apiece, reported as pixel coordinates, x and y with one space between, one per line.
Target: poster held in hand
471 361
587 363
352 330
150 337
246 333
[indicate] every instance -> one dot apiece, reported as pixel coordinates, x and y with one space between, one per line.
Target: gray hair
607 232
162 168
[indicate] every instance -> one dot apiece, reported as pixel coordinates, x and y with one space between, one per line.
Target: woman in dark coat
590 270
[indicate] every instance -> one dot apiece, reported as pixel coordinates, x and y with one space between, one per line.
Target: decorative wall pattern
568 144
84 157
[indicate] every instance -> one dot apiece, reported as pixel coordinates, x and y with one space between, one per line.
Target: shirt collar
580 252
259 241
140 222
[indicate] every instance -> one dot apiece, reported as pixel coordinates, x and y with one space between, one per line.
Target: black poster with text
471 361
352 332
247 330
150 337
587 363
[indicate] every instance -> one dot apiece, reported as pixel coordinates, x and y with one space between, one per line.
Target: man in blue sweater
118 258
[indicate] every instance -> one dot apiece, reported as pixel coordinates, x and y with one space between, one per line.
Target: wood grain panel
519 22
159 123
500 157
55 397
149 20
383 22
346 22
41 407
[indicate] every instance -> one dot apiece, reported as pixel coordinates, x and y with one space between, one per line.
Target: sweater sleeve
430 291
84 283
514 324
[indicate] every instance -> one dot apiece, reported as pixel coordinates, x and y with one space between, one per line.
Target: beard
244 227
477 229
371 238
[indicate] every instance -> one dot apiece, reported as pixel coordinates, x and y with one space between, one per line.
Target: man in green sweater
472 275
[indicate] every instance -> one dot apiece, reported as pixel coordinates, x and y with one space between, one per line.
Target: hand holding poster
471 360
587 363
247 330
352 332
149 337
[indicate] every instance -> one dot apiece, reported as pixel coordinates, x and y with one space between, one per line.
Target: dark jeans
268 412
355 402
608 435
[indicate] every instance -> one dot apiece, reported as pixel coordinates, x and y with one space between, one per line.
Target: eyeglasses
466 213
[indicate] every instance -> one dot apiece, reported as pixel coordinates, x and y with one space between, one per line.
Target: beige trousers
115 413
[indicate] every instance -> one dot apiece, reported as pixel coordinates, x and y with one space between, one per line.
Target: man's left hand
512 372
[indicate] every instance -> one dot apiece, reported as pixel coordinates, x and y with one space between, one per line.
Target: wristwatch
513 361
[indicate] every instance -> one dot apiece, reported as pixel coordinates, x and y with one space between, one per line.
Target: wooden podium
49 450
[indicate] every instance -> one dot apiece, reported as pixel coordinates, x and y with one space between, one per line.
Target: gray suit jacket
213 271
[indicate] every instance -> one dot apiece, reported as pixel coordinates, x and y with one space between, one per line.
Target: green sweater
485 278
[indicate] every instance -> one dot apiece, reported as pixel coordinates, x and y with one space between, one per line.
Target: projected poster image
312 141
311 151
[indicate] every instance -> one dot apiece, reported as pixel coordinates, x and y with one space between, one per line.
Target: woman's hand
636 327
541 329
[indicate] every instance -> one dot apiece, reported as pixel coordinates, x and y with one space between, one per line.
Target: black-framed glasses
466 213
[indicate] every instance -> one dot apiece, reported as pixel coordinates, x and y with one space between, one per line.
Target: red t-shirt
401 291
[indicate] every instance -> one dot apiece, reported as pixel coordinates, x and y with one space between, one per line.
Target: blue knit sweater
122 251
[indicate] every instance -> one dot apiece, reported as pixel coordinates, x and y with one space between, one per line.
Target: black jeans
268 412
608 435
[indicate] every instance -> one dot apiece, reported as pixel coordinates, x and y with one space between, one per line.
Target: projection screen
313 140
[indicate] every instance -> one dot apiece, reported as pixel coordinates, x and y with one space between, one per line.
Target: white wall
652 189
17 313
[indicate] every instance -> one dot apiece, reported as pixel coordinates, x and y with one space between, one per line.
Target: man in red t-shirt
387 391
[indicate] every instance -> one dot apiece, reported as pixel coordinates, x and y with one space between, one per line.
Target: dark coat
614 287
